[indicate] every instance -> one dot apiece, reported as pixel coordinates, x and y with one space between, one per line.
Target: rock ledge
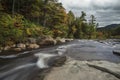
84 70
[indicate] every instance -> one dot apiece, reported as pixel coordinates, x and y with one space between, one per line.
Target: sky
106 11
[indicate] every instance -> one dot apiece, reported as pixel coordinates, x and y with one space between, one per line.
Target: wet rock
41 74
33 46
6 48
57 61
21 45
116 52
68 40
61 50
105 66
47 41
80 70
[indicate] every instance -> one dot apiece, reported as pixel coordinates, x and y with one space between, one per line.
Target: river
25 65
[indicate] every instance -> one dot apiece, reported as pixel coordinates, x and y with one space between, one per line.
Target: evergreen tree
78 24
70 23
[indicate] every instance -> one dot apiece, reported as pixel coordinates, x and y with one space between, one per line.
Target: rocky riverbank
32 43
75 60
84 70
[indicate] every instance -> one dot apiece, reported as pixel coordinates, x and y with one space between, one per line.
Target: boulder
80 70
33 46
106 66
17 49
116 52
6 48
12 46
1 48
60 40
68 40
31 40
44 38
56 61
21 45
47 41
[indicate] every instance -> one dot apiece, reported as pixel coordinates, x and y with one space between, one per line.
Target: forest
21 19
110 31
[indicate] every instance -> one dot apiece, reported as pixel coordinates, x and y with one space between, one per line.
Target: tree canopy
20 19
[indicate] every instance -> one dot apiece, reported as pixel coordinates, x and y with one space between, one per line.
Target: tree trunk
13 8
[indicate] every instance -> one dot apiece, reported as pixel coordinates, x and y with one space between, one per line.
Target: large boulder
68 40
6 48
106 66
21 45
31 40
60 40
17 49
46 40
56 61
81 70
33 46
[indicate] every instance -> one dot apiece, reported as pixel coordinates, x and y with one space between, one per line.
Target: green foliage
60 31
9 28
17 29
47 31
79 27
20 19
110 31
79 22
31 30
70 23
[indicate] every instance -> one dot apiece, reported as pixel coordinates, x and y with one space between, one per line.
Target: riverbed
23 66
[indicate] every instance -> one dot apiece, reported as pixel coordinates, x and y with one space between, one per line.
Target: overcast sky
106 11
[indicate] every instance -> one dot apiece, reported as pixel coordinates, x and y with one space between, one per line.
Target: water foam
13 56
62 49
41 63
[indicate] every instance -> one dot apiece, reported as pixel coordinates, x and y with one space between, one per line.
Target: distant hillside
110 31
109 27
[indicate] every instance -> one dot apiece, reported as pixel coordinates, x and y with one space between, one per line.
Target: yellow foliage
28 31
9 43
74 29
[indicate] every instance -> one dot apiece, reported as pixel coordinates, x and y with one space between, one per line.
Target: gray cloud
106 11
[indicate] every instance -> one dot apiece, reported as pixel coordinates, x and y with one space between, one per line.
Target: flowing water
26 65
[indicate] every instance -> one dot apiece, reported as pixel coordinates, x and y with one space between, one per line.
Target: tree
92 27
78 24
70 23
1 7
46 9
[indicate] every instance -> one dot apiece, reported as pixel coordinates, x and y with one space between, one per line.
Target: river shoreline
33 45
78 53
8 56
